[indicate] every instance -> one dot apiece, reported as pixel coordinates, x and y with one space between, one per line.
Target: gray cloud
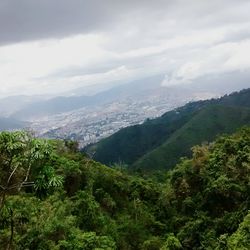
28 19
182 39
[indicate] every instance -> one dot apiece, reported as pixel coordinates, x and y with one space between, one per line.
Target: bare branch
12 173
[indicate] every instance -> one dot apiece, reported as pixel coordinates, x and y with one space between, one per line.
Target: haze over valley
92 68
89 119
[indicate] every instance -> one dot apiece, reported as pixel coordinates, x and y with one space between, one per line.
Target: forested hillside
201 128
158 143
53 197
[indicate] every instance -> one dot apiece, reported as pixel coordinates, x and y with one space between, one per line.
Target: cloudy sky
53 46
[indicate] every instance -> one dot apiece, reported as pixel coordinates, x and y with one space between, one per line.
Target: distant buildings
91 125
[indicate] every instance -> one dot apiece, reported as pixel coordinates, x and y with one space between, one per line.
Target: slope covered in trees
53 197
135 145
201 128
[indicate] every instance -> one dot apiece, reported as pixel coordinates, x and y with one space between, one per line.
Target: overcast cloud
53 46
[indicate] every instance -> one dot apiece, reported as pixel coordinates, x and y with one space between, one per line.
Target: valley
91 124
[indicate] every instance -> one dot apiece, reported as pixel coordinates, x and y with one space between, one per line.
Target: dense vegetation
204 126
53 197
159 143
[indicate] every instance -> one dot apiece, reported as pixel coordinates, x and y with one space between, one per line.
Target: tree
21 156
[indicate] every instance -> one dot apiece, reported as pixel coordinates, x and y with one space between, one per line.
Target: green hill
133 144
130 143
202 127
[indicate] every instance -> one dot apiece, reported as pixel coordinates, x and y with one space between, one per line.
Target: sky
51 47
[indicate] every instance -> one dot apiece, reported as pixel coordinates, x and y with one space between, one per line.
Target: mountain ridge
127 149
192 133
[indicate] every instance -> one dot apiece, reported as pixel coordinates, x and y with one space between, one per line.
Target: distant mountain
90 124
65 104
140 89
36 107
158 143
52 106
11 124
12 104
224 83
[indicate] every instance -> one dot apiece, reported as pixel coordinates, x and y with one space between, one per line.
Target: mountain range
159 143
62 104
28 108
90 118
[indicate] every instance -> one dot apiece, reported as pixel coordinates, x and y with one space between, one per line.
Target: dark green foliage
211 191
204 126
203 202
241 238
159 143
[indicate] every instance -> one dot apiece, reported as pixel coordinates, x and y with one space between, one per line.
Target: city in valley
89 125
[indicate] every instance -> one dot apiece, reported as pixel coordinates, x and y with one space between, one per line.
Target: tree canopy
53 197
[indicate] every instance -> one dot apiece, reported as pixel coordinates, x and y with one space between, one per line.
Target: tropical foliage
53 197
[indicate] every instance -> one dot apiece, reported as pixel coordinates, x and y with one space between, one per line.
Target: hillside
56 198
202 127
132 143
